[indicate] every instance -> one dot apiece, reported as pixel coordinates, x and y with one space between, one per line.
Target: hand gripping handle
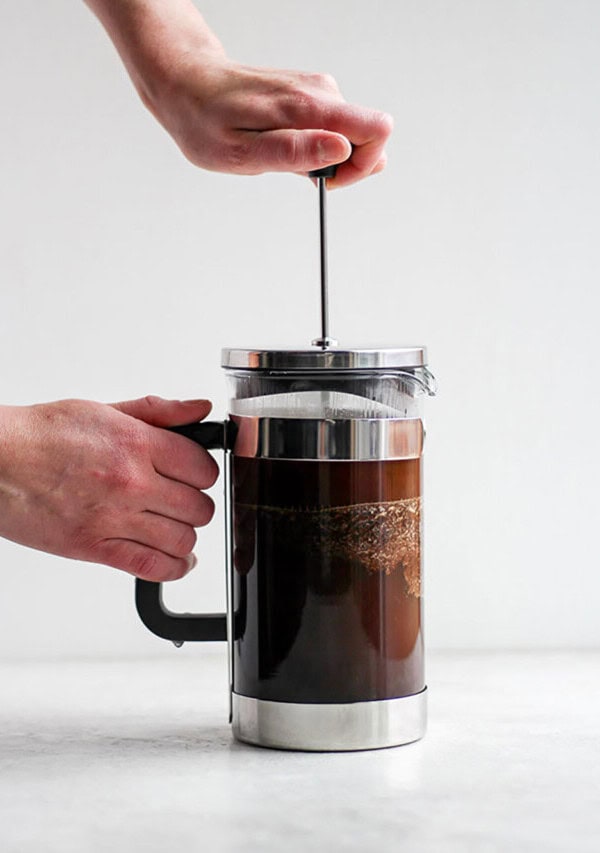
185 627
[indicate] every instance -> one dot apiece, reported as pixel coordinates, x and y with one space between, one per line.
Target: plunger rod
321 175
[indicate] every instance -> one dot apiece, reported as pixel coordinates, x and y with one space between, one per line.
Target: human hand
105 484
235 118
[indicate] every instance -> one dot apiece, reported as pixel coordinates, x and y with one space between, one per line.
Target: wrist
12 433
155 40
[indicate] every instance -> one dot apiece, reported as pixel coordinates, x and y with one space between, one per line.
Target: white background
124 271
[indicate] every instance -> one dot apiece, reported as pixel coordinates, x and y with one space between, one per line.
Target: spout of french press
324 341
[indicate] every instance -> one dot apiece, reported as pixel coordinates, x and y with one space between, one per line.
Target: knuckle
300 105
383 124
156 567
126 478
308 102
121 470
326 81
289 151
151 401
133 443
144 565
184 542
115 476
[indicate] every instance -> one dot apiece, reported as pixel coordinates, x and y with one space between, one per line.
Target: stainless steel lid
324 359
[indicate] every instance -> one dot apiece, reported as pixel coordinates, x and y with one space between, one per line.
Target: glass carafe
324 491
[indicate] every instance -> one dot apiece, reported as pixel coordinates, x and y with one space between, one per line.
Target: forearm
153 37
19 465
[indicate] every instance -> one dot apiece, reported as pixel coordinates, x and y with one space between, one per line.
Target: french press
324 547
323 485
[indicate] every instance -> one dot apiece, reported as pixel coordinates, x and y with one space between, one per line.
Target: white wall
124 271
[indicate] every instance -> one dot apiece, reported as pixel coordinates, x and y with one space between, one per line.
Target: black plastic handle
186 627
212 435
327 172
180 628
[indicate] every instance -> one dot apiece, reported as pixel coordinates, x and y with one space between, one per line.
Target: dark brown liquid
327 571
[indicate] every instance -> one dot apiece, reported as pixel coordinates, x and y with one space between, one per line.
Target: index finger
368 131
181 459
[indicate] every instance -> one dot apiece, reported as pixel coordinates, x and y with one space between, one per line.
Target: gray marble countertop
138 756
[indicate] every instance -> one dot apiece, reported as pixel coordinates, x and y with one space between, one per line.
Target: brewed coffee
327 569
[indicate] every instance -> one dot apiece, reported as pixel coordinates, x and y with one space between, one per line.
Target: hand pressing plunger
236 118
106 483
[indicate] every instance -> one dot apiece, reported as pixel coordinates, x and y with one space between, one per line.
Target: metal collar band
324 359
360 439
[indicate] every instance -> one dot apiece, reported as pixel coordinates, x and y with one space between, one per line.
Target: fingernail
195 402
192 561
332 148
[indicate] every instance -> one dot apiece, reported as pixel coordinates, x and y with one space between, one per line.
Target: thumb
298 150
164 413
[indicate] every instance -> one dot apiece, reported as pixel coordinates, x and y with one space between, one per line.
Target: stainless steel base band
330 728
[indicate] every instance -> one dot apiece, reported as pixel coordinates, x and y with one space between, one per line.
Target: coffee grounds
381 536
